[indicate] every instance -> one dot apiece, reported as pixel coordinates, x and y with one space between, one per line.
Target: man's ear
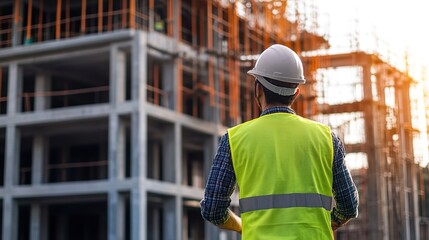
259 90
297 92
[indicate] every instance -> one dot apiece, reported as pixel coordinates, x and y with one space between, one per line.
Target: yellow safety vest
283 166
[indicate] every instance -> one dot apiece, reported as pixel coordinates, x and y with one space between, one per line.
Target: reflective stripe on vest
312 200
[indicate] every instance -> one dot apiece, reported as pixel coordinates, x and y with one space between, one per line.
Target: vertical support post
202 14
35 221
11 155
42 102
139 138
12 135
109 16
169 219
67 20
116 216
10 212
169 168
38 160
178 20
29 18
156 84
58 21
170 17
100 16
124 14
40 22
170 71
17 23
194 12
132 14
151 15
179 96
373 196
210 46
83 17
178 146
116 156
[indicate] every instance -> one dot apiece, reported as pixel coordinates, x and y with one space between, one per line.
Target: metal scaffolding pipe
58 21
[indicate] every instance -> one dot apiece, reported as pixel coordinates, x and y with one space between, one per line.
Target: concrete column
139 137
43 84
169 219
12 157
38 160
404 155
118 63
35 222
116 216
36 179
10 223
375 224
12 133
168 161
14 89
178 179
178 146
139 116
117 141
138 214
179 217
169 82
116 152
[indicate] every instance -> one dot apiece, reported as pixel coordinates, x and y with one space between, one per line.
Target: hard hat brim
256 73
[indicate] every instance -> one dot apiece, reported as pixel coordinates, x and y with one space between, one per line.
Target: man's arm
344 190
220 185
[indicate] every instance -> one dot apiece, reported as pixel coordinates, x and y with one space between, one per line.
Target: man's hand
335 225
232 223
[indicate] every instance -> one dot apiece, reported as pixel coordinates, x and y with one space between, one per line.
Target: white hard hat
279 63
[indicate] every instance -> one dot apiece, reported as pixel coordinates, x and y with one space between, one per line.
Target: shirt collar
277 109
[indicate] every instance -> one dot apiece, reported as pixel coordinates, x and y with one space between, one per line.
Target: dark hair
274 98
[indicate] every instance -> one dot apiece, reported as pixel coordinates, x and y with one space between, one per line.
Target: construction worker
288 169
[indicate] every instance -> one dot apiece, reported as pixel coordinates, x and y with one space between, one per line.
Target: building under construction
111 111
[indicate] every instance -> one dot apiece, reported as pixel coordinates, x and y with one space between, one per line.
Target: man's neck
274 105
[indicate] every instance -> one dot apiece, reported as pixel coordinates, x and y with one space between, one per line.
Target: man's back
283 165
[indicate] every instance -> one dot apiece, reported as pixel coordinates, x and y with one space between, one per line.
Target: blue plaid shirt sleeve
344 190
220 185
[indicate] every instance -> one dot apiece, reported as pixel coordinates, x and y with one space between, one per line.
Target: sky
393 29
390 27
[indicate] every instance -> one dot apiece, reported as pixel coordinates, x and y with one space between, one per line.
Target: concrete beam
66 114
68 189
185 120
78 43
341 60
344 108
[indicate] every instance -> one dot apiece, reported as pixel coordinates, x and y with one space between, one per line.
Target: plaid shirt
221 183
